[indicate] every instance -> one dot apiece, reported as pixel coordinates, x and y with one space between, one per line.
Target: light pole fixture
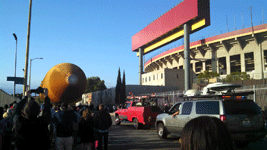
31 69
15 36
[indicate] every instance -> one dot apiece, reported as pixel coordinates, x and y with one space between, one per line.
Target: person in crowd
86 131
6 125
63 121
102 123
31 132
75 126
207 133
1 112
176 113
5 107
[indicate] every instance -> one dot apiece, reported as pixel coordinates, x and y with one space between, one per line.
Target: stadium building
242 50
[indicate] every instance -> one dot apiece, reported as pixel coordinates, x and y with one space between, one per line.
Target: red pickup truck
141 110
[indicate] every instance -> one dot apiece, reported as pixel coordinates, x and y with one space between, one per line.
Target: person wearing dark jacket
64 120
86 131
31 132
102 123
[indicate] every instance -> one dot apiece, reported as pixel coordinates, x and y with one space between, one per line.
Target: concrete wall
6 98
107 97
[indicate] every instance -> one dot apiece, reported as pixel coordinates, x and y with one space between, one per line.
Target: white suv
243 118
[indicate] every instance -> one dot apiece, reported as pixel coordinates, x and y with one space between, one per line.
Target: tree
94 84
206 75
123 89
118 88
237 76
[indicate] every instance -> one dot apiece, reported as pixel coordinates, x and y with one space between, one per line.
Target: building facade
242 50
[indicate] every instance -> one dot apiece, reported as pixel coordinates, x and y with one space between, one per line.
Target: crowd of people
28 125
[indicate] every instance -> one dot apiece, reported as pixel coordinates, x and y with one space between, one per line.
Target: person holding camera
31 131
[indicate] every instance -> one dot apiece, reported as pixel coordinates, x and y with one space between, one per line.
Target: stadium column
258 63
214 61
140 65
194 66
187 56
243 63
204 65
228 64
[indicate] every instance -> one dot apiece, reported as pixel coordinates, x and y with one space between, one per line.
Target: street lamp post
31 71
15 36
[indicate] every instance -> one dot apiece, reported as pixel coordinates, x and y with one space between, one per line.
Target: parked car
243 118
141 110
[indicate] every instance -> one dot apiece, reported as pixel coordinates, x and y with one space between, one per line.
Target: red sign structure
169 27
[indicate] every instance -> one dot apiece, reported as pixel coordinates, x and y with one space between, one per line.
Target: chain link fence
259 96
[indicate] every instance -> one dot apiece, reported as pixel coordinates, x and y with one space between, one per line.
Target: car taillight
223 118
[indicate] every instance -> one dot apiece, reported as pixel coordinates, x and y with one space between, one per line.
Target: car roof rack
213 96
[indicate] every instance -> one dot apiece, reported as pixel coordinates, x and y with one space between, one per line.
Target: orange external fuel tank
65 82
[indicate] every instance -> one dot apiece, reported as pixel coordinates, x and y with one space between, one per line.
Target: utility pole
15 36
252 30
27 50
187 68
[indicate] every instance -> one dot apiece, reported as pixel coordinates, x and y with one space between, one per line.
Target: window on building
208 65
249 61
235 63
265 59
148 78
222 65
161 75
198 66
153 77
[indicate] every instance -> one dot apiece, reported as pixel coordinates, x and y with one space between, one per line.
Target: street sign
18 80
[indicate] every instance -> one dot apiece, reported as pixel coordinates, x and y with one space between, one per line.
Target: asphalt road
125 137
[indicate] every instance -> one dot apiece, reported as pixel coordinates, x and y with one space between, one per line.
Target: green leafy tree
95 84
237 76
207 75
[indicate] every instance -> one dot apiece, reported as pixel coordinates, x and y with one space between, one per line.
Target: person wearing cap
31 130
64 120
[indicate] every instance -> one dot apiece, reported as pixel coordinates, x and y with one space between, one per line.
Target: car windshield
246 107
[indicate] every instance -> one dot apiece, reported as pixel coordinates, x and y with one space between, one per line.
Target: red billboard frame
188 11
